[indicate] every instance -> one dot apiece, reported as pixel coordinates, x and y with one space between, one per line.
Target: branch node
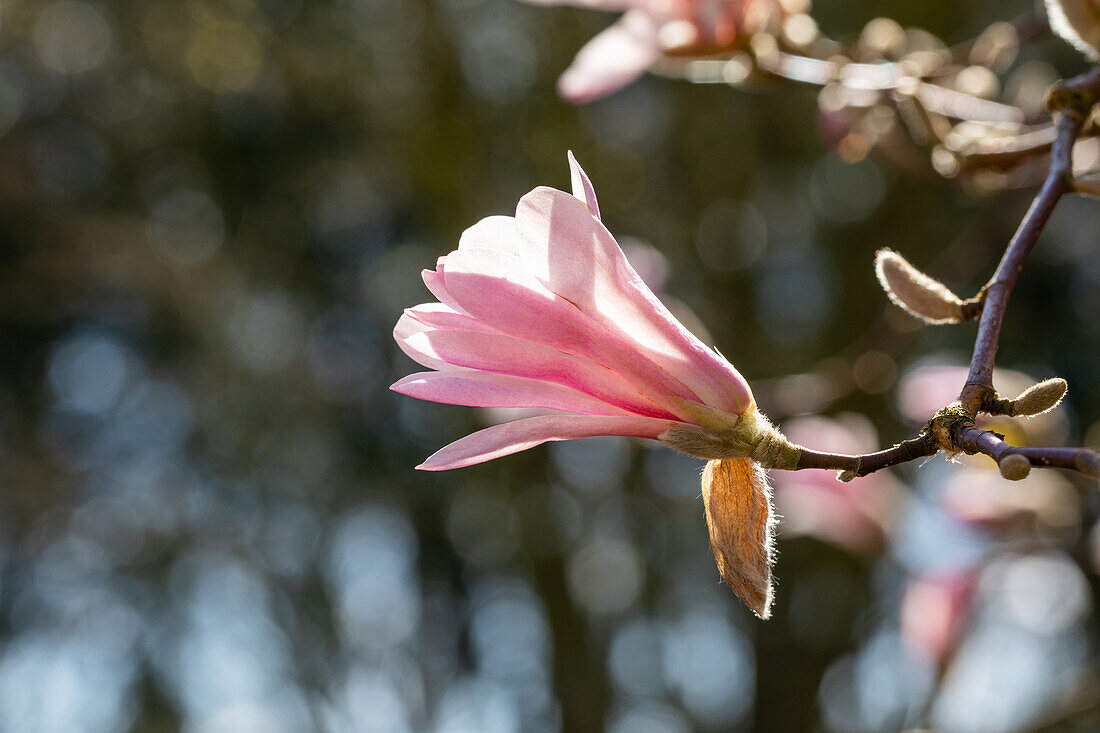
976 395
1072 101
995 405
945 425
971 308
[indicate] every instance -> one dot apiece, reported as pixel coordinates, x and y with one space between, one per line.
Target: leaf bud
1040 398
1014 466
1078 22
926 298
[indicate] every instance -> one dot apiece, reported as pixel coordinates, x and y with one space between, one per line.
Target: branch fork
953 428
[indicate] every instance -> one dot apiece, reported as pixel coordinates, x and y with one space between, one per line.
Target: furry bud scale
1040 398
741 524
915 292
1078 22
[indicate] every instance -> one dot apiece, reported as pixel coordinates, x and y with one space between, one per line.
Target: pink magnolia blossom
543 310
649 29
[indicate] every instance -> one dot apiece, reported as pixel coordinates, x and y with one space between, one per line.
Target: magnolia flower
542 310
649 29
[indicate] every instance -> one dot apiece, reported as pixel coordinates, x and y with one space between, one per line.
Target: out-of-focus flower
543 310
1044 503
649 29
1077 21
934 613
854 515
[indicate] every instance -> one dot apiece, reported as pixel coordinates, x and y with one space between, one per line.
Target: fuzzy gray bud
1040 398
915 292
1078 22
1014 466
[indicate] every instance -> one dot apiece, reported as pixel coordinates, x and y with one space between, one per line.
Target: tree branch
860 465
987 442
1071 102
999 289
952 429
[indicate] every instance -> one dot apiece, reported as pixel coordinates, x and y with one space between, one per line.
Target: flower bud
1040 398
915 292
1014 466
1078 22
740 521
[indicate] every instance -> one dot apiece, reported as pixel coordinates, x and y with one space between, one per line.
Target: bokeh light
214 212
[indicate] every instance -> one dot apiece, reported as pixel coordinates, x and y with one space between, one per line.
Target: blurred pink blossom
543 310
935 611
854 515
649 29
1044 502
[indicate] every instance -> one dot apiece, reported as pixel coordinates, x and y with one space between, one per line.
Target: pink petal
613 59
439 316
488 389
507 355
407 327
492 232
582 189
573 255
433 279
494 288
512 437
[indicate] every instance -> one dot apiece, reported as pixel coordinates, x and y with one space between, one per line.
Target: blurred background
212 213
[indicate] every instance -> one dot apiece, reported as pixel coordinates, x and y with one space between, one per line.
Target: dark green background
212 214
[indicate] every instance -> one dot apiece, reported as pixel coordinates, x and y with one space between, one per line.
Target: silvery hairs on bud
912 290
1078 22
1040 398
